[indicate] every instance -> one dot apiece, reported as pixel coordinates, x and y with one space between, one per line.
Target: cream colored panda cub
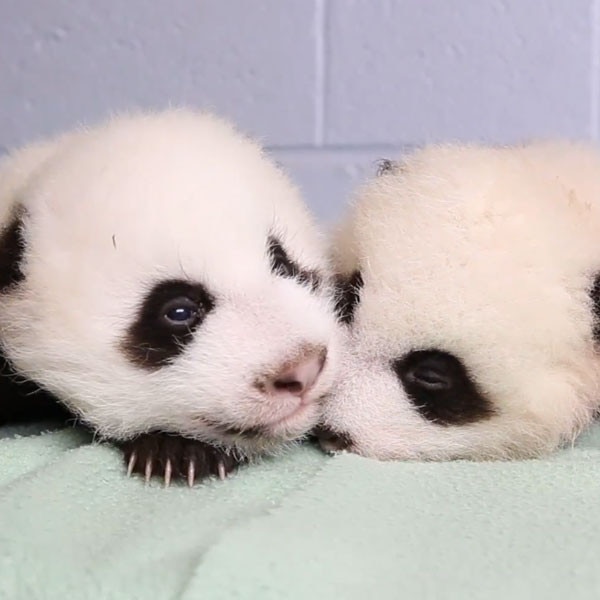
163 280
470 289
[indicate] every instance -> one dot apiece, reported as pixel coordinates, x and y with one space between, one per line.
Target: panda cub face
468 287
162 274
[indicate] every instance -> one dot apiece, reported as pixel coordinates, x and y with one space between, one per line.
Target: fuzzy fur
488 253
114 209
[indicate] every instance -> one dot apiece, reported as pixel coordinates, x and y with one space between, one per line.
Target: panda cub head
161 274
469 288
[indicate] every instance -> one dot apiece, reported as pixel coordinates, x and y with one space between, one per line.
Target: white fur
142 198
489 254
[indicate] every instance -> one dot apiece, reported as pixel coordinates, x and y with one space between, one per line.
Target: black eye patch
12 248
166 321
347 295
441 388
283 266
594 294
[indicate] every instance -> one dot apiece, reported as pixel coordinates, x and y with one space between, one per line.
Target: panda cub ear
12 248
384 166
347 295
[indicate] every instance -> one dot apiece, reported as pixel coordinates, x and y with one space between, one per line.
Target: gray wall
329 85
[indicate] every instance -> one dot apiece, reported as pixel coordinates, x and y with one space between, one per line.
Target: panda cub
163 280
470 288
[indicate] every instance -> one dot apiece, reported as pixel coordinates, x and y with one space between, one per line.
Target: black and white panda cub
471 280
163 280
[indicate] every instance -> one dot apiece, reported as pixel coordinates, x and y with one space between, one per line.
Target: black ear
595 299
12 248
347 295
385 165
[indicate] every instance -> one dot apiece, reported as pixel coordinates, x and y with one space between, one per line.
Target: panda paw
173 457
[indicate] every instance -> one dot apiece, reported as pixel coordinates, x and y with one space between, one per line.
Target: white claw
191 473
221 470
168 470
148 470
131 463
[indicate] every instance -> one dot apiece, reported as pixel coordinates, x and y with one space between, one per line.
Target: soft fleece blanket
305 525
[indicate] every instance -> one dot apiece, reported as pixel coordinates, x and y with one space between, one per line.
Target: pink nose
298 378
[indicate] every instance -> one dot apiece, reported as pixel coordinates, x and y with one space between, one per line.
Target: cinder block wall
329 85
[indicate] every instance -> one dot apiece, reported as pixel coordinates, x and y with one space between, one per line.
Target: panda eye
180 312
166 321
441 388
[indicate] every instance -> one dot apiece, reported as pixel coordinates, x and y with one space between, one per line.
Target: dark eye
180 312
166 322
429 375
441 388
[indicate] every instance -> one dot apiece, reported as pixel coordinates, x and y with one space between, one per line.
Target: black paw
331 441
173 457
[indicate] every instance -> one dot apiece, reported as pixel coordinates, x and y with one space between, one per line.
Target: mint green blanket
301 526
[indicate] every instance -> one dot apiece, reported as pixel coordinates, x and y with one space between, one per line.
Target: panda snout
296 377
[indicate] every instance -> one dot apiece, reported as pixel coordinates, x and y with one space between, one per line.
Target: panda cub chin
163 280
470 292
